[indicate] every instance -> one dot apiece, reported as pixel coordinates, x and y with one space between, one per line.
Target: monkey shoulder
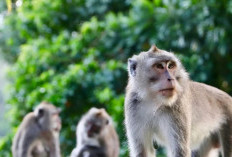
109 137
29 126
204 87
29 119
211 93
28 123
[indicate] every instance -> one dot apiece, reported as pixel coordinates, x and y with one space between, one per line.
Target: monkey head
47 116
96 121
158 74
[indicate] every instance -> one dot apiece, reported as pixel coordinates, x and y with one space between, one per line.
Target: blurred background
73 53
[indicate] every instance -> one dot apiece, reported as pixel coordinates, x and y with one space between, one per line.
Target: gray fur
35 136
105 141
132 67
189 120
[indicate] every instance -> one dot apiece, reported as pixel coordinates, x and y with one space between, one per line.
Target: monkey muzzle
93 129
167 92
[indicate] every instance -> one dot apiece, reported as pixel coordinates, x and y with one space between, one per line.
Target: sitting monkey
38 134
96 136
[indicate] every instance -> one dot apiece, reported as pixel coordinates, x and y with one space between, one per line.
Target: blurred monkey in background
38 134
96 136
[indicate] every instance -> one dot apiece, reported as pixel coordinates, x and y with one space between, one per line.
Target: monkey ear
58 110
40 112
107 121
154 49
132 66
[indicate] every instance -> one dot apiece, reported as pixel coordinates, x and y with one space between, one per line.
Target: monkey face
93 129
48 116
97 120
157 73
56 122
163 74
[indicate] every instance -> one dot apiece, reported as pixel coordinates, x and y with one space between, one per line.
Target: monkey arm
178 133
111 141
140 144
74 152
16 143
137 129
139 140
20 138
51 142
25 143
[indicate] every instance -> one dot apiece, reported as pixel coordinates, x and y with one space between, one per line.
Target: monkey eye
171 65
159 66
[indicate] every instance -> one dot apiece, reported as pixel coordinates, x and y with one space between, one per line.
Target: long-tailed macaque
164 105
96 136
38 134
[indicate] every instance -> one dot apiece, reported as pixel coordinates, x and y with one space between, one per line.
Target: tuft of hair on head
154 49
45 102
98 114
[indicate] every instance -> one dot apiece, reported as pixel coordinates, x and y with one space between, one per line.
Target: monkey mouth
93 130
168 92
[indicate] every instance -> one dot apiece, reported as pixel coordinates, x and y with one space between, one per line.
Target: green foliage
46 18
76 60
5 146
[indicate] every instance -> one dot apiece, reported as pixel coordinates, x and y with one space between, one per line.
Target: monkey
96 136
163 104
38 134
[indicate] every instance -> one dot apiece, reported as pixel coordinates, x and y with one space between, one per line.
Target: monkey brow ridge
159 58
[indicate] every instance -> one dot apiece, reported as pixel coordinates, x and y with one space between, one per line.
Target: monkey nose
170 83
170 79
